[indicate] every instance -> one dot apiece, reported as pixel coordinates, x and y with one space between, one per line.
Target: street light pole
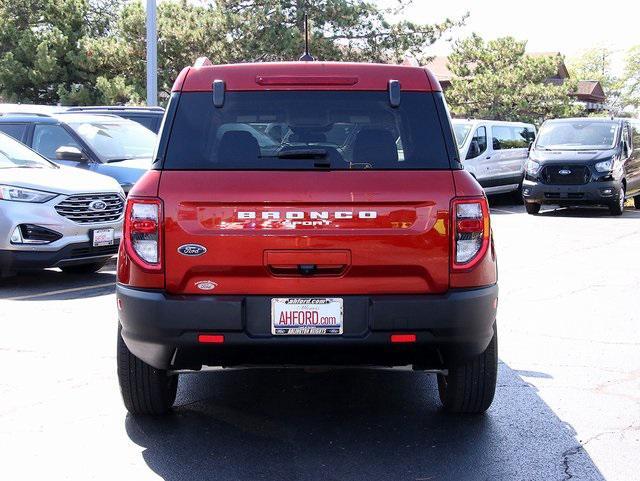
152 54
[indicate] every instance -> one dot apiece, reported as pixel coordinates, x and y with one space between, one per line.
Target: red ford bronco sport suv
307 214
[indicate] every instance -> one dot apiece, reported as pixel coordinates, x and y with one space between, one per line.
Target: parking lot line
61 291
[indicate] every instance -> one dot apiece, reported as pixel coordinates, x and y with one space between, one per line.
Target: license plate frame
328 319
103 237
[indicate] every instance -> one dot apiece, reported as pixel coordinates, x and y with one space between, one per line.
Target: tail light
143 233
470 230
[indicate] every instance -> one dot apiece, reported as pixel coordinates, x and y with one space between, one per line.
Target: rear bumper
72 254
162 330
594 193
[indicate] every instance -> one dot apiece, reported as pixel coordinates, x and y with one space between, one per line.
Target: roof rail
26 113
202 62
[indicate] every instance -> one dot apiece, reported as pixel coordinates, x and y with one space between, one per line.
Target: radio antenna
306 57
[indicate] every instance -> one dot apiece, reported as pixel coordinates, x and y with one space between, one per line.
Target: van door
509 144
476 152
633 163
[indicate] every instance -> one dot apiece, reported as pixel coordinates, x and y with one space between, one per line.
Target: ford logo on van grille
564 172
192 250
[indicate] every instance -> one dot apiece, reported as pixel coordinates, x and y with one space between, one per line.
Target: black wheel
532 208
83 268
469 388
636 201
144 389
617 206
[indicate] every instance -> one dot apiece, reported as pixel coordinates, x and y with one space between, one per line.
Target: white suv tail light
470 231
143 233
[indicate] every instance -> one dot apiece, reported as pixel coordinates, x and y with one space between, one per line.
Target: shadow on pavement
52 284
353 425
587 212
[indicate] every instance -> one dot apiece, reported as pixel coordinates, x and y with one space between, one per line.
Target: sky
565 26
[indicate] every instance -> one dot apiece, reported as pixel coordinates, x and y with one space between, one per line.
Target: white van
494 152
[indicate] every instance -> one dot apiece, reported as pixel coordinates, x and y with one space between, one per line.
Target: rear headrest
238 147
376 147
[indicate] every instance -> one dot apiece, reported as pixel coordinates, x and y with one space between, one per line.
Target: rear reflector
403 338
210 338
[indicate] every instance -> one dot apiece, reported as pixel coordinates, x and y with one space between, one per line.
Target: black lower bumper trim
163 329
593 193
72 254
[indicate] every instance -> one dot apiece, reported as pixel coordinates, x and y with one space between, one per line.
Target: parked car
149 117
239 254
584 161
55 216
106 144
494 152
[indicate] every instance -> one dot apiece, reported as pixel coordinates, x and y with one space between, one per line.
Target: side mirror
474 150
68 152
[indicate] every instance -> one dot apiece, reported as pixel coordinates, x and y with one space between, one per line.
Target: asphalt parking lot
567 404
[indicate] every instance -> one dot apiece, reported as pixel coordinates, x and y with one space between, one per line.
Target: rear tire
144 389
636 201
83 268
469 388
532 208
617 206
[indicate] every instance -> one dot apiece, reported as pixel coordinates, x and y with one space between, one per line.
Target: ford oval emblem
192 250
564 172
97 205
206 285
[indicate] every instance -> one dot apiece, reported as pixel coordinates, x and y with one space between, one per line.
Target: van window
285 130
14 130
511 137
582 134
480 139
461 131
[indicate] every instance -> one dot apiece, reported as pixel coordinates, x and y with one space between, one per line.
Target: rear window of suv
275 130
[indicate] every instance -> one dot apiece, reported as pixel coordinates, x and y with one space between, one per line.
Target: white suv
55 216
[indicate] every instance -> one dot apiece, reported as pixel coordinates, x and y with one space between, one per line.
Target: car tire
145 389
83 268
532 208
617 206
469 388
636 201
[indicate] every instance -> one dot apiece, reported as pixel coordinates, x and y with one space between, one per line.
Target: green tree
94 51
498 80
250 30
630 83
353 30
40 54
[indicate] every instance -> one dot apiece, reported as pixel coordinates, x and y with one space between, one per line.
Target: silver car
55 216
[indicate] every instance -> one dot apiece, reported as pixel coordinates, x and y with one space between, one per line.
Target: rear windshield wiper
302 154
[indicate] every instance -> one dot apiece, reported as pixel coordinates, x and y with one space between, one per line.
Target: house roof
590 91
439 67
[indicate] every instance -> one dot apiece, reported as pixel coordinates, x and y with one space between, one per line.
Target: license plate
103 237
306 317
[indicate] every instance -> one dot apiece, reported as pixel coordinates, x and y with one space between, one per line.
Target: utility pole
152 54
